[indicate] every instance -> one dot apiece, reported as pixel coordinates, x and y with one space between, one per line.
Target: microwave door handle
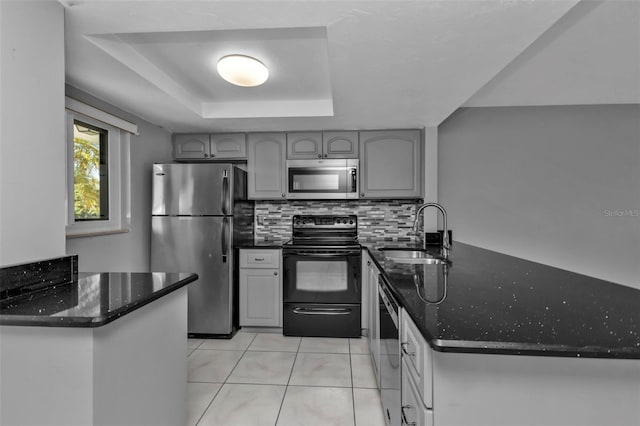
354 181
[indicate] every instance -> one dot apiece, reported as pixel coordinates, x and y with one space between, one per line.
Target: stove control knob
350 222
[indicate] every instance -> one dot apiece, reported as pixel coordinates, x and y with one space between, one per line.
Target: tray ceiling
334 64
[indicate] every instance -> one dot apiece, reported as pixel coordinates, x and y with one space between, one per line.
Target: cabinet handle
404 350
206 155
368 263
283 195
258 259
362 194
404 416
275 273
319 155
326 155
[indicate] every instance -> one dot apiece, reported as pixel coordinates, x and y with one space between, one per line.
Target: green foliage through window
90 172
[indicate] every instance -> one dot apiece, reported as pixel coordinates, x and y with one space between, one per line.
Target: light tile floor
271 379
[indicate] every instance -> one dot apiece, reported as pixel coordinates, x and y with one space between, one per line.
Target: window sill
96 233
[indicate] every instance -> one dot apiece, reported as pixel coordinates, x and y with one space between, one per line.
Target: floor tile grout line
353 395
225 380
288 384
286 388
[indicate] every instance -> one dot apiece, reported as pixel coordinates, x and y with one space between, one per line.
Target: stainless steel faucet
446 246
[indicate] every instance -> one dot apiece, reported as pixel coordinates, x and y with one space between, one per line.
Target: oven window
317 180
321 276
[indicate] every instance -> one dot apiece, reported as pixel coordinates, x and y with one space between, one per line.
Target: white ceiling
349 64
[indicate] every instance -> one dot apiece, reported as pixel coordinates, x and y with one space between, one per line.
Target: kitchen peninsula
502 340
92 348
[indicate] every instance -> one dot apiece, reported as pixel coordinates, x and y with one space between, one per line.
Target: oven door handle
337 254
322 311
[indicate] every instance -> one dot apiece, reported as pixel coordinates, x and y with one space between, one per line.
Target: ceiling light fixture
242 70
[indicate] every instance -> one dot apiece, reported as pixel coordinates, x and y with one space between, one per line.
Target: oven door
321 276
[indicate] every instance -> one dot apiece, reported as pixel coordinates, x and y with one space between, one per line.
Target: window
97 171
90 172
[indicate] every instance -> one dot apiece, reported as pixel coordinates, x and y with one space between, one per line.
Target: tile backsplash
391 219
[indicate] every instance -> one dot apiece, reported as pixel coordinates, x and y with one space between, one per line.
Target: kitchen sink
401 255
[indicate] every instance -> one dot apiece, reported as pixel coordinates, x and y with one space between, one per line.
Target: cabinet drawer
417 355
413 410
260 258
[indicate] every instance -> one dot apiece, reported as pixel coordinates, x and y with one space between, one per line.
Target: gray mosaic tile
376 218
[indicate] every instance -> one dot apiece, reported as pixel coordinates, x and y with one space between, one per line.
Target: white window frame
119 171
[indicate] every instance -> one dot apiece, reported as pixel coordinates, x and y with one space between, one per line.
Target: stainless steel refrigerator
199 211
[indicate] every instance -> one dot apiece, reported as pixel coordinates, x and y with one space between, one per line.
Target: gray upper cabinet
216 146
229 146
266 166
301 145
391 164
309 145
340 144
191 147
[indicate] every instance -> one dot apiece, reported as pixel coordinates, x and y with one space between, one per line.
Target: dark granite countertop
91 300
500 304
263 243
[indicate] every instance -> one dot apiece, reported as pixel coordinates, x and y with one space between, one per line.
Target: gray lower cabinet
413 410
260 288
417 374
391 164
266 166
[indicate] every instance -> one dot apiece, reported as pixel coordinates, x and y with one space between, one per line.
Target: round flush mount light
242 70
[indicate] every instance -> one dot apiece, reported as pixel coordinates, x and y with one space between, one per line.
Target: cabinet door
340 144
417 359
301 145
191 147
266 166
413 411
391 164
229 146
260 297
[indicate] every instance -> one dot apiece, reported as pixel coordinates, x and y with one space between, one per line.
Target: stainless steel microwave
322 179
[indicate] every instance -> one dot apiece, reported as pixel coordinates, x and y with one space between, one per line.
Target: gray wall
32 134
130 251
558 185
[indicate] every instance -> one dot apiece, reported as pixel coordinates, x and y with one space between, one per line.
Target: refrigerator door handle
225 239
225 193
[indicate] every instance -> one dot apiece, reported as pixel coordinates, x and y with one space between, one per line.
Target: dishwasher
390 378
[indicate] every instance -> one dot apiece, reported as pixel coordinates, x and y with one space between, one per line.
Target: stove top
325 231
325 222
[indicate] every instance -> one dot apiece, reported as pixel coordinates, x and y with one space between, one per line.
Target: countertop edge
92 322
502 348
